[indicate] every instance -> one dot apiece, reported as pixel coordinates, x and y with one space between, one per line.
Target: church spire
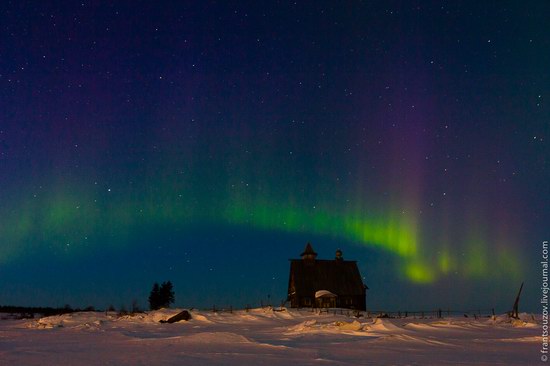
308 253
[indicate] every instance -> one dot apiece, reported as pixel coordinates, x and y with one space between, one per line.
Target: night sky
207 142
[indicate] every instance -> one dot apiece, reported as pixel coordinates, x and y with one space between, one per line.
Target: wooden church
325 283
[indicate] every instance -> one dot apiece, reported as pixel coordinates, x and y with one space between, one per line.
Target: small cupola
339 255
308 254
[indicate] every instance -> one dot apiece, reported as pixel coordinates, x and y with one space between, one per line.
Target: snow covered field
267 337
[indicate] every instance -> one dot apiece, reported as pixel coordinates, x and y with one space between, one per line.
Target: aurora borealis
207 142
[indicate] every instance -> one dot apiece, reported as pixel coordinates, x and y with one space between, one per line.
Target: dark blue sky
207 142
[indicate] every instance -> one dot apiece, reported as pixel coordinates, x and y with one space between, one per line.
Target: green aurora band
70 223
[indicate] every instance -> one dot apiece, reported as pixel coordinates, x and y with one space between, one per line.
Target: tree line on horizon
161 296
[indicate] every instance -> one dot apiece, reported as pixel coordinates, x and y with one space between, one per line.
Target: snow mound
156 316
45 323
303 326
414 339
354 325
313 325
217 337
442 325
383 325
525 320
283 314
81 320
521 323
200 318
